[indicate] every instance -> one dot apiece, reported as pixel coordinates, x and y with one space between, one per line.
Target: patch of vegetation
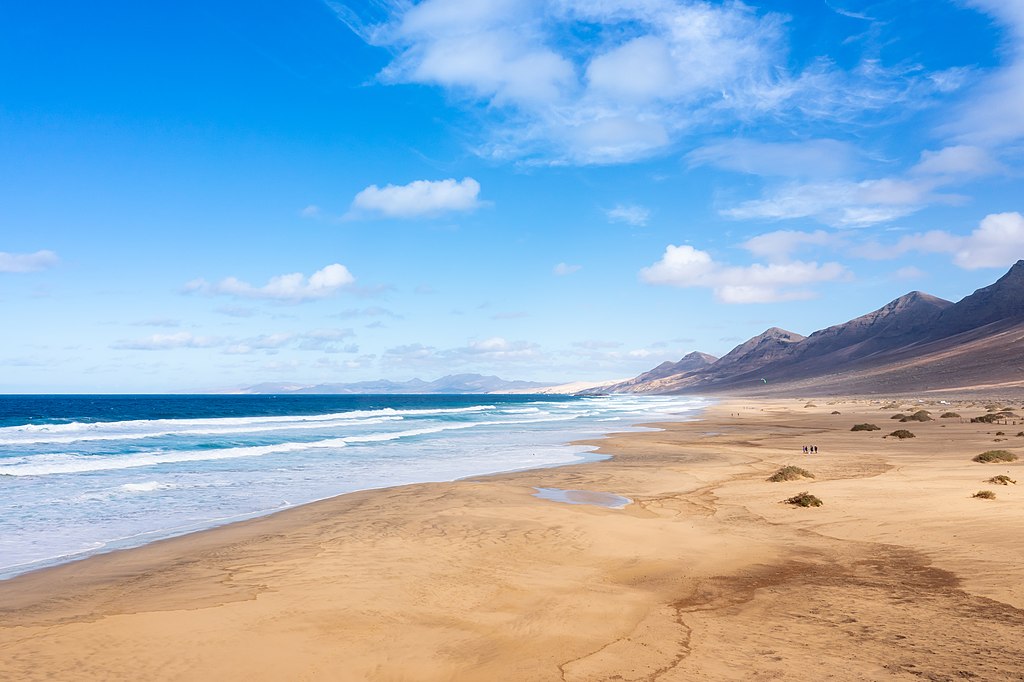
1020 435
890 406
996 456
866 427
810 405
992 407
836 412
919 416
898 415
790 473
985 419
1000 433
985 495
901 434
1007 415
805 499
1001 479
949 415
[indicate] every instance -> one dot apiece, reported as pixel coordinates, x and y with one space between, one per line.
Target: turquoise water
86 474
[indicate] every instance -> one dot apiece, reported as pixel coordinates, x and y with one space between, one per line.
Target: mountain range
917 342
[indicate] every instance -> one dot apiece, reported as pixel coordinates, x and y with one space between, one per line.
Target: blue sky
206 195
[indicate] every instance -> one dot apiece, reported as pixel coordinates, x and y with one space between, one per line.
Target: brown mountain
917 342
649 382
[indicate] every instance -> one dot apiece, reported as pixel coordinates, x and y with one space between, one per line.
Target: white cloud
685 266
848 203
497 348
650 73
292 288
959 161
417 199
563 269
311 211
810 158
168 342
844 203
631 214
997 242
27 262
478 353
780 245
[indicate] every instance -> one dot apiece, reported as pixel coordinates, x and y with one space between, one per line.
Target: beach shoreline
703 574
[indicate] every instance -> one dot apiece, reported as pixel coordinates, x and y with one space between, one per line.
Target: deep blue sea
87 474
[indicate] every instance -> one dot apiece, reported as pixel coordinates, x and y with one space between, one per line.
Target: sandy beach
901 574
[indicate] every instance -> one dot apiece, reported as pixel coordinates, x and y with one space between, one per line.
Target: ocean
81 475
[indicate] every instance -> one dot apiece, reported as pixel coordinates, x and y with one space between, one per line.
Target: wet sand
705 575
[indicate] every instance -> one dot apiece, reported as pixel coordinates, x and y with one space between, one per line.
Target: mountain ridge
915 342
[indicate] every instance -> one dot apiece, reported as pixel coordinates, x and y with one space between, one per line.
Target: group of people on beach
810 449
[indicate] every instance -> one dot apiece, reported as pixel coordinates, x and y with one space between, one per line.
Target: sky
201 196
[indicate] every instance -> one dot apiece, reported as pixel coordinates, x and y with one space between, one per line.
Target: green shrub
949 415
836 412
1001 479
804 499
898 415
919 416
866 427
790 473
985 495
901 434
996 456
985 419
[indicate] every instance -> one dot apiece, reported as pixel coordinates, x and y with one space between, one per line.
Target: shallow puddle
607 500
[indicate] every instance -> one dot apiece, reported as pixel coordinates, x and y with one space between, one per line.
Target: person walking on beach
805 449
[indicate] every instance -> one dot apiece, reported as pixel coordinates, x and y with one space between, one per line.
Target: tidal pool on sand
583 497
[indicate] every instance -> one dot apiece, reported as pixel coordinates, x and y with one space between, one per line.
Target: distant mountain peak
780 334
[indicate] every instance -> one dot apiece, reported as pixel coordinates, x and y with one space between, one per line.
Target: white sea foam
59 463
144 428
147 487
33 438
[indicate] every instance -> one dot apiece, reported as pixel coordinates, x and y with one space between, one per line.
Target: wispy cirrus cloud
991 115
169 342
325 340
27 262
862 203
418 199
564 269
631 214
291 288
802 159
651 74
780 245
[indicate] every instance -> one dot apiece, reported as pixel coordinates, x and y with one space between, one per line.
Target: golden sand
705 576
